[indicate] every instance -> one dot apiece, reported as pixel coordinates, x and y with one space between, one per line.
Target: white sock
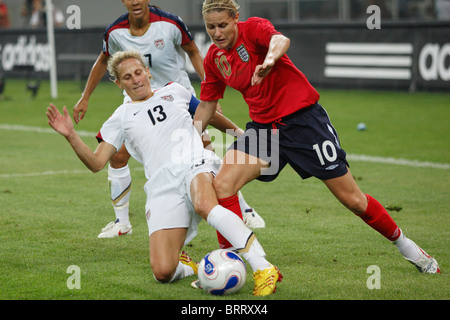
120 187
256 256
181 272
239 235
407 248
122 213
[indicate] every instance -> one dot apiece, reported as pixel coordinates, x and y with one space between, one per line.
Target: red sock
232 204
379 219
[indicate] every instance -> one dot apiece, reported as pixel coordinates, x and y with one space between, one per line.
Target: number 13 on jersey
157 111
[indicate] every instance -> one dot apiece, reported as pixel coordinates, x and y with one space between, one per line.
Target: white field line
350 157
18 127
398 161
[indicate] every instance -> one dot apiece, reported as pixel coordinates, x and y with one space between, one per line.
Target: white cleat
426 263
115 229
252 219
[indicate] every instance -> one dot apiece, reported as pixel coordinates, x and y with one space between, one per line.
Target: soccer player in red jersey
288 124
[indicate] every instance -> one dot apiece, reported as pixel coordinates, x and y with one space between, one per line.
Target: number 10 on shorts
327 151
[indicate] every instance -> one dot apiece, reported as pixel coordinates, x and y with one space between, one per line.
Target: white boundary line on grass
350 157
19 127
397 161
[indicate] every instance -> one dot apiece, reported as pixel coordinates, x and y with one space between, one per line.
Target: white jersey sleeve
181 91
111 131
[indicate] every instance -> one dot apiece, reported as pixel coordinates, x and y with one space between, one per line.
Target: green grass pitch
52 208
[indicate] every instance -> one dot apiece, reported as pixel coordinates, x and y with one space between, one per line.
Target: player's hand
80 110
61 123
260 73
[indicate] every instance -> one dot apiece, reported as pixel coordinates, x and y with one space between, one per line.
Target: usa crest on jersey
243 54
167 98
159 44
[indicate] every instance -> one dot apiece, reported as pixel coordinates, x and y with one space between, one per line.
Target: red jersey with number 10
283 91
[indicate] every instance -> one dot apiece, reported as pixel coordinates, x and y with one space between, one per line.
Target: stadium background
332 43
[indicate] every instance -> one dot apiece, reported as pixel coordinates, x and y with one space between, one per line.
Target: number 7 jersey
158 132
160 46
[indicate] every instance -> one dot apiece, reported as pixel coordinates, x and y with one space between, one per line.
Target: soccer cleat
115 229
426 263
196 284
266 280
186 260
252 219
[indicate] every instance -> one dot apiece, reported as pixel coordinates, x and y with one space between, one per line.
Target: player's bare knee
356 204
223 187
202 207
162 274
118 161
162 279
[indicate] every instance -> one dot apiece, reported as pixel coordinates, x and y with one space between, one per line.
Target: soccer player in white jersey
158 132
163 39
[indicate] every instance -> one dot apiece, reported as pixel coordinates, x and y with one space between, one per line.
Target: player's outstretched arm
62 123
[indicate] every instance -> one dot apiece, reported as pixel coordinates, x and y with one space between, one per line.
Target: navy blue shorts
305 140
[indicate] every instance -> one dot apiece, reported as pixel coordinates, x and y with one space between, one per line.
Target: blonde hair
118 57
220 5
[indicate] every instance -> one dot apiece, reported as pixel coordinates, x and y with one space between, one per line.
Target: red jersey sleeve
260 31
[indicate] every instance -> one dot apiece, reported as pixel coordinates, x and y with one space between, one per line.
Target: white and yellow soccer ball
222 272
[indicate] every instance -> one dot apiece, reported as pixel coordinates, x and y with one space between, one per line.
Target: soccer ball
361 126
222 272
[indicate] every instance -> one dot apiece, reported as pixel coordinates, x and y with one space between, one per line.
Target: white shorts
169 205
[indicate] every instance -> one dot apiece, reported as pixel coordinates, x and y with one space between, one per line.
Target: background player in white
163 39
151 127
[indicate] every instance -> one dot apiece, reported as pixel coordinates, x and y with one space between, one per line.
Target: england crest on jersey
159 44
243 54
